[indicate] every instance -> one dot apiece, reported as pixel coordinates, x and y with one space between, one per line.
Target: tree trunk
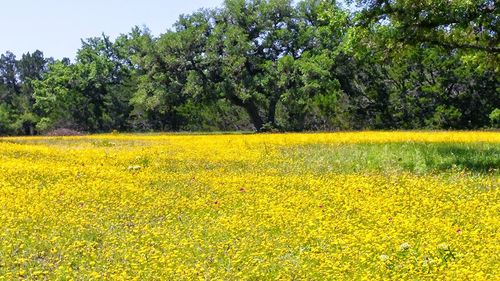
253 112
272 111
251 109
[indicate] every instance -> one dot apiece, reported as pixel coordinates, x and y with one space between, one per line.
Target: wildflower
404 247
134 168
384 258
443 247
168 220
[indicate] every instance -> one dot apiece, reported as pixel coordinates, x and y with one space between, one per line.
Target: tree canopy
271 65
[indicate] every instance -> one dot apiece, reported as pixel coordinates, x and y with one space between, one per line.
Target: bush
495 118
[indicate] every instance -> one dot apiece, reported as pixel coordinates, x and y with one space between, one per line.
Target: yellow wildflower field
367 205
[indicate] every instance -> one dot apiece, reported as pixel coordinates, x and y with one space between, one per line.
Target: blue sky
56 26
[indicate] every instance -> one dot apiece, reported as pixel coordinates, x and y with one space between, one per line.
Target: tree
16 90
164 73
418 66
57 98
92 94
9 77
453 24
31 67
237 53
272 64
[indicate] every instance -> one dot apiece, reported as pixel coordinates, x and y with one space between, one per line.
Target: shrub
495 118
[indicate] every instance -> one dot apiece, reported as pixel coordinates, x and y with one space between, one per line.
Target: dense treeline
272 64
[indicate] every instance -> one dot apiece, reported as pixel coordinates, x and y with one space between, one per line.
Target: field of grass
370 205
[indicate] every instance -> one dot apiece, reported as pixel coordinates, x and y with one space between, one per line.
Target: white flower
405 246
384 257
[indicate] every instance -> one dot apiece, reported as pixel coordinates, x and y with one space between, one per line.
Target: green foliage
17 79
425 64
92 94
468 25
495 118
5 119
271 65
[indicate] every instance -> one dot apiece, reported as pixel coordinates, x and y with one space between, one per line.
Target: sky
56 27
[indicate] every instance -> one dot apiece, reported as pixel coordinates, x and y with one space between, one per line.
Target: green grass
419 158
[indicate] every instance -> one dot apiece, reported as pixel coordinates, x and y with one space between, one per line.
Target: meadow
331 206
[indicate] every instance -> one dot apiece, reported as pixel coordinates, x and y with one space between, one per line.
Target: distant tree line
272 65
